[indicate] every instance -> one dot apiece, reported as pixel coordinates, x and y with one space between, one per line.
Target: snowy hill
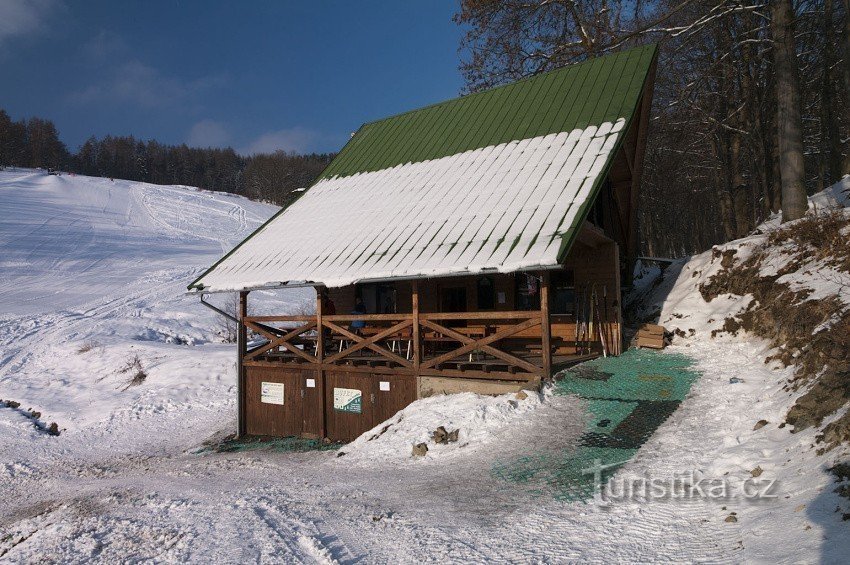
93 275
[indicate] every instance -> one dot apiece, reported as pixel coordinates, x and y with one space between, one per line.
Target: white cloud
25 17
207 133
138 83
297 140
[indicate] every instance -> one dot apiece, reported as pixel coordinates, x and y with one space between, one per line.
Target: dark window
527 292
486 291
453 299
378 298
563 292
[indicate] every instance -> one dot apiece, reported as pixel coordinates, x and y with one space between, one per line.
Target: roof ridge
565 67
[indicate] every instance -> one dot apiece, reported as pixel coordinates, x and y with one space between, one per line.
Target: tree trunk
830 138
789 122
738 187
846 73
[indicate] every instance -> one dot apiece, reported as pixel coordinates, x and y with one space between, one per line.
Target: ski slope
94 263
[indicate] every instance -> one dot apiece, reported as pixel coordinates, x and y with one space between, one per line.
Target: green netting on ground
282 444
627 398
638 374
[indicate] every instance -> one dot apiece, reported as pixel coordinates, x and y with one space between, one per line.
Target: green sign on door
348 400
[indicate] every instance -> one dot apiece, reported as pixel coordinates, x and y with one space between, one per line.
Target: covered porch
517 327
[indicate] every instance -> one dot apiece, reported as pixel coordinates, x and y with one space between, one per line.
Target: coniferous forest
268 177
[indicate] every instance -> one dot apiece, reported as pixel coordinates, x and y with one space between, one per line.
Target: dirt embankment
811 334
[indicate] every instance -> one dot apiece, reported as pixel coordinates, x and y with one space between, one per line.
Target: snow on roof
497 181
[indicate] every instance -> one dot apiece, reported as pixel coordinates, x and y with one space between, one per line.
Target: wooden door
392 393
273 404
311 385
350 403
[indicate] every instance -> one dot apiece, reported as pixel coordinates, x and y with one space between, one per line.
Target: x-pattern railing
360 342
500 326
482 344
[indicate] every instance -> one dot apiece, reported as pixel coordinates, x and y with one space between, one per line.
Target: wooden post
241 351
617 299
320 356
545 327
320 336
417 351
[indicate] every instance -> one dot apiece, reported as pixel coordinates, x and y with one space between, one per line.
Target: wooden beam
448 373
617 298
510 315
320 355
417 342
367 317
241 349
279 318
546 336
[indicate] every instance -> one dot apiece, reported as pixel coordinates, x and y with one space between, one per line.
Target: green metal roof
573 97
499 180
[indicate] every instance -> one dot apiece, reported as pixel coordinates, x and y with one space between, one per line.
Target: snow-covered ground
93 274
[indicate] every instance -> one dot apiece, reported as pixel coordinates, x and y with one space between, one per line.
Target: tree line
751 108
268 177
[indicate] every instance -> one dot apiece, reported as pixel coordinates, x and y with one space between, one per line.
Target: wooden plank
651 343
279 318
546 341
490 375
507 315
368 317
449 373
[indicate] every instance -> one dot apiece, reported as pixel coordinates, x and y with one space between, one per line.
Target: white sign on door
271 393
385 385
311 383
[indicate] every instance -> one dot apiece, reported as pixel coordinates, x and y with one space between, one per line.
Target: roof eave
278 286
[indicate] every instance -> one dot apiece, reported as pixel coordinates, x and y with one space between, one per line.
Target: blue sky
254 75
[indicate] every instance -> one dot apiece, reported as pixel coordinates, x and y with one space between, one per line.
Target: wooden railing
417 342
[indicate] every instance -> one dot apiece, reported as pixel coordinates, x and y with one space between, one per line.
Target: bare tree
789 121
712 169
846 77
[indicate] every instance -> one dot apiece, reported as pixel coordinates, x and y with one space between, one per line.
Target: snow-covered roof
494 181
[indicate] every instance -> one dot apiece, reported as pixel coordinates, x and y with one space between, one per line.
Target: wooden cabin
477 244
